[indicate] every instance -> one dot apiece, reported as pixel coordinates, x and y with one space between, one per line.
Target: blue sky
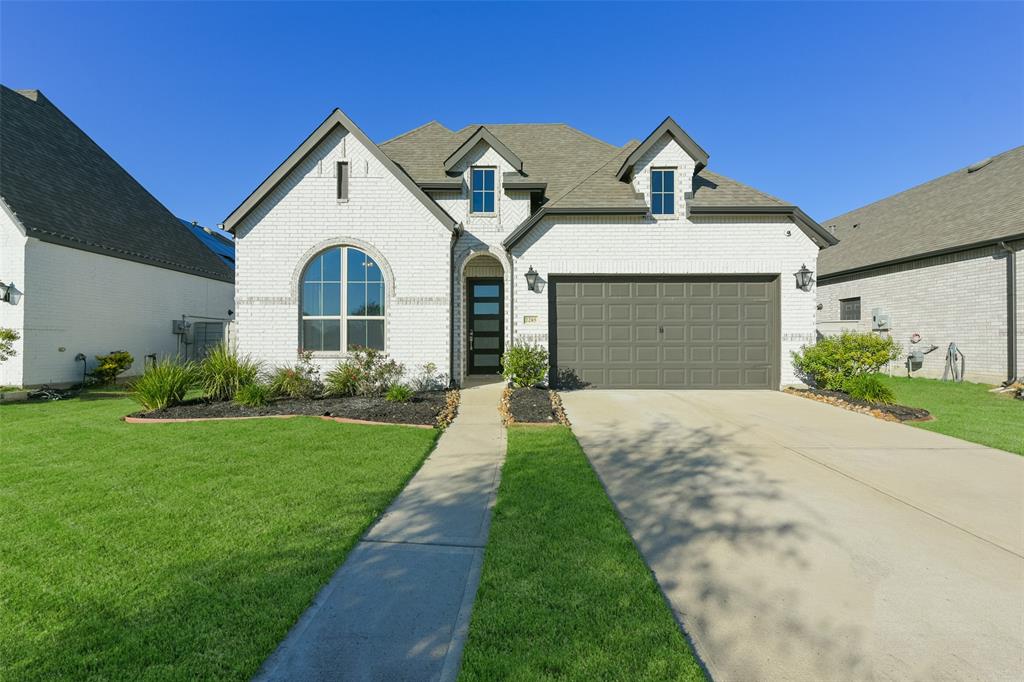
827 105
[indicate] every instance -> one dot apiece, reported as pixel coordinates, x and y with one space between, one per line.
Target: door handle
661 330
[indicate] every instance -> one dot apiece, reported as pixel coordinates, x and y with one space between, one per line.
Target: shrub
869 387
342 380
375 371
222 372
253 395
7 339
398 393
429 379
833 360
114 363
164 384
524 365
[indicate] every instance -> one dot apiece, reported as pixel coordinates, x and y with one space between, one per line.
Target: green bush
253 395
524 365
342 380
222 372
869 387
7 339
398 393
164 384
375 372
833 360
111 365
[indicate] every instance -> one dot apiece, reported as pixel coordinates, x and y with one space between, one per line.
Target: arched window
342 301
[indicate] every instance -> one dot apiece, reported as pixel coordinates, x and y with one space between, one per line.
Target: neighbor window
663 191
342 301
849 309
482 186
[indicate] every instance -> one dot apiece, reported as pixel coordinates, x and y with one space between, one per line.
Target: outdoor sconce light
9 293
531 279
804 278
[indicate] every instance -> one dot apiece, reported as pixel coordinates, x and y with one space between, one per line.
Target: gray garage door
666 332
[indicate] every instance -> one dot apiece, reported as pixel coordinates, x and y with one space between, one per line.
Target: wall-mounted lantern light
9 293
804 278
531 279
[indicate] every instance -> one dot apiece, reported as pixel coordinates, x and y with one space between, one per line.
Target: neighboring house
635 265
937 261
100 264
218 241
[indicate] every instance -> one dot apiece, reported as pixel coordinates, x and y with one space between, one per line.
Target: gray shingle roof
66 190
955 210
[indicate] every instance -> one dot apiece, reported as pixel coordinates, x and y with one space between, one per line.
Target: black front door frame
471 316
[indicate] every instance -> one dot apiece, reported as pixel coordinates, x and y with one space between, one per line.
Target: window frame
675 174
842 308
343 317
483 191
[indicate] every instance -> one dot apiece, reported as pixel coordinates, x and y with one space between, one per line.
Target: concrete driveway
799 541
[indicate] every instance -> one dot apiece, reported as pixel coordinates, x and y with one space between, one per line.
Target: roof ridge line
587 135
410 132
616 153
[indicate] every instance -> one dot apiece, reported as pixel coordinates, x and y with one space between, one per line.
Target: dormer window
663 191
482 187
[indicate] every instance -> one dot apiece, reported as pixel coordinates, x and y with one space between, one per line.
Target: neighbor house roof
215 240
64 189
974 206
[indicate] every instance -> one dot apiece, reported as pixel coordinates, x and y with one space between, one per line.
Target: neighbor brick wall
957 298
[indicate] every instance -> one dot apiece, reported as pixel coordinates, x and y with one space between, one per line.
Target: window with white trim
342 303
663 191
482 188
849 308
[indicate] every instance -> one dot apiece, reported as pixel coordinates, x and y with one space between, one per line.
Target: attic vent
974 167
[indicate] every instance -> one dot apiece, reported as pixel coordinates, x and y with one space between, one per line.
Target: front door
485 323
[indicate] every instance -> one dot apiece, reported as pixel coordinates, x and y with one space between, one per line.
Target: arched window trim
344 284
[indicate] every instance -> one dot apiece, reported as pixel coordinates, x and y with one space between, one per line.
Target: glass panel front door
485 308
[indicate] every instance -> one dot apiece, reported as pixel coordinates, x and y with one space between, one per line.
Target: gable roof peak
483 134
682 138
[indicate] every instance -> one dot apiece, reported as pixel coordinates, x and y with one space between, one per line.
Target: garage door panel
660 332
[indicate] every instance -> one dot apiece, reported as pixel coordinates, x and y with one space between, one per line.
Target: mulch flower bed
892 413
433 408
531 406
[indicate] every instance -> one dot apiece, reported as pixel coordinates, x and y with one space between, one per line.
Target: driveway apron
399 607
798 541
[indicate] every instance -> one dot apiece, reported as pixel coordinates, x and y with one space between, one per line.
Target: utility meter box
915 360
879 319
179 326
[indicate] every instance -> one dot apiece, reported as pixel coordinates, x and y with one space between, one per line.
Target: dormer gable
482 134
671 128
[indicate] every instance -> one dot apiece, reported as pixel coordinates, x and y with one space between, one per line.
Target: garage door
666 332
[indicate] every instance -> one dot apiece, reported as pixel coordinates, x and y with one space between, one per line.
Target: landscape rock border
890 413
128 419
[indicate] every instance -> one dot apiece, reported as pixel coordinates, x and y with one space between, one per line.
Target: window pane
375 334
489 202
487 342
485 360
668 180
374 299
485 308
478 181
356 266
373 272
331 301
478 202
356 333
485 290
489 179
655 181
356 299
332 334
313 270
332 266
668 204
656 204
311 335
485 325
310 299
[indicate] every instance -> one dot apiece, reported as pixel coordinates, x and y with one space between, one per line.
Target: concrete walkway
398 609
799 541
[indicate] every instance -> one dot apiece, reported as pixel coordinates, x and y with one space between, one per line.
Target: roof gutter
815 231
517 234
1011 312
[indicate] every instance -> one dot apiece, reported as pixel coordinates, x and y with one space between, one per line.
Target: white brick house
97 263
939 262
634 265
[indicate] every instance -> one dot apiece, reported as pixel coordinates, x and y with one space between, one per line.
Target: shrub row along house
637 266
90 262
936 265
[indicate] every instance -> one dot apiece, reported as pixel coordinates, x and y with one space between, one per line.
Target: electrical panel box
179 326
879 319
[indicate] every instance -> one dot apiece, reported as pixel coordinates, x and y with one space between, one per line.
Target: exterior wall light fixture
531 279
804 278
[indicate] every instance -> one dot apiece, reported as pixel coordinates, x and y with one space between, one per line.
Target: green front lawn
175 551
965 410
564 593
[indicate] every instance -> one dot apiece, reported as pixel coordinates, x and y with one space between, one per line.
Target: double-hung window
663 191
482 187
342 301
849 308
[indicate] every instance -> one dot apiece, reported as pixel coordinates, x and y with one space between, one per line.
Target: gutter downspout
1011 313
451 305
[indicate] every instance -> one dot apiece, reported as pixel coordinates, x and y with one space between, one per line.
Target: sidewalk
399 607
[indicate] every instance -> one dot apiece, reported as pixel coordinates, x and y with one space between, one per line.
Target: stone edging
340 420
852 407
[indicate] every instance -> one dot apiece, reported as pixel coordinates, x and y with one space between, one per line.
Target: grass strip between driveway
564 593
176 551
964 410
